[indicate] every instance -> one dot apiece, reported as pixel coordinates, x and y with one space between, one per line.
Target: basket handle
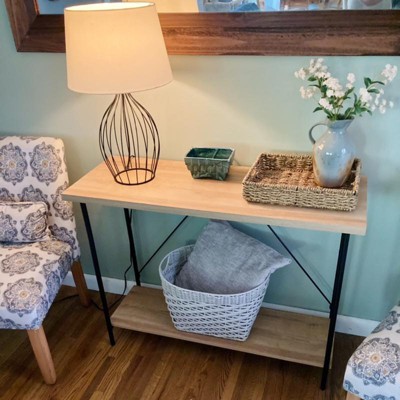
163 263
311 129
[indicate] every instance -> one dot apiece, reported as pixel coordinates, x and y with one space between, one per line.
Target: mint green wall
251 104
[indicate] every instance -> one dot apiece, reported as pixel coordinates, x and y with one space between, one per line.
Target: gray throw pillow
227 261
22 222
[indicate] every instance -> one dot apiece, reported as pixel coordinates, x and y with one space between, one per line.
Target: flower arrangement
340 102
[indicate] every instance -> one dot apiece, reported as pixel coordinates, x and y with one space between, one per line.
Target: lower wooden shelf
277 334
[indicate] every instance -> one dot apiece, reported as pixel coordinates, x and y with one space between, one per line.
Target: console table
289 336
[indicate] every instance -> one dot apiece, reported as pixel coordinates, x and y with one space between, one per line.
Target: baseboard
349 325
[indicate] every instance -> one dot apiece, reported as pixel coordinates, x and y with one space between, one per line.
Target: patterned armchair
373 371
34 256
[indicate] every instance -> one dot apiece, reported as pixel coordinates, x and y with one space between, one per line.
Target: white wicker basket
229 316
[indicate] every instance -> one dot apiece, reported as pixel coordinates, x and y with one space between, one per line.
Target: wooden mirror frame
338 32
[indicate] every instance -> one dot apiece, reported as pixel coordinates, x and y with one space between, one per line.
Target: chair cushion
227 261
30 277
32 168
23 222
373 371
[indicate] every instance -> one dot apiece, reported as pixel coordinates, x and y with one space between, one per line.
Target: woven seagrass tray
287 179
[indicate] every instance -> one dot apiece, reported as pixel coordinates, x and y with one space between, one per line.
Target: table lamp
118 48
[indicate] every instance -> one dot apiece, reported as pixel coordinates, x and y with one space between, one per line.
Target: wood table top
174 191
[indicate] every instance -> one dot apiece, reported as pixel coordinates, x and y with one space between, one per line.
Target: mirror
178 6
339 32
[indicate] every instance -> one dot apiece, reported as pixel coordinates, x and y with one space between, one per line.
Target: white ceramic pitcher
333 154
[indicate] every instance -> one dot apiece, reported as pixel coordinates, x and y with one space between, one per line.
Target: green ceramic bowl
209 163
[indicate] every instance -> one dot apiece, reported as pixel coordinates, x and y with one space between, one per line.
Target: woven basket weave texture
288 180
226 316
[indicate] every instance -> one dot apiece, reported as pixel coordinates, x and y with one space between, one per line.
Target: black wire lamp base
129 141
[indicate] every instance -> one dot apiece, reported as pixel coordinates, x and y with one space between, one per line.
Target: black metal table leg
128 221
98 273
337 288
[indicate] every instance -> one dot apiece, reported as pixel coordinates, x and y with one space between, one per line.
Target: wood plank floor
148 367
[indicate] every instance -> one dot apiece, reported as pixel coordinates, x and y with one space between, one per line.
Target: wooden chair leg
351 396
80 284
42 353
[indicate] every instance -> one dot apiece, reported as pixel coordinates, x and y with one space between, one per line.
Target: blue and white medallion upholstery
373 371
34 258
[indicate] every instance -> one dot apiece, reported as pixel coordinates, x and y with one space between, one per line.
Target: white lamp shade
115 48
175 6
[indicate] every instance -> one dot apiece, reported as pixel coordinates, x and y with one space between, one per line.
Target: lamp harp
129 141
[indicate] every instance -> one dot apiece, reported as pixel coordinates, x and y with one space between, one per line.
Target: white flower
324 103
313 66
339 93
335 100
365 96
389 72
322 74
307 93
333 83
316 66
351 78
301 74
